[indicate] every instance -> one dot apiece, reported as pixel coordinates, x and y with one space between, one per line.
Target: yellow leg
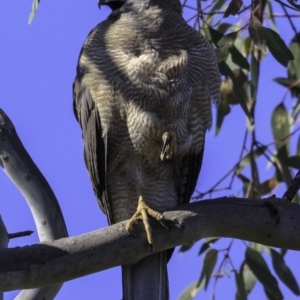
142 212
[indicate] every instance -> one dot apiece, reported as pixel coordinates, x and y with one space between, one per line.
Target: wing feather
95 144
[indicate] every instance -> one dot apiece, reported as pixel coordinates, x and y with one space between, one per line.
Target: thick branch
3 241
271 222
23 172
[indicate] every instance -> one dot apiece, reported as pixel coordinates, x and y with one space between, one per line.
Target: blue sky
38 65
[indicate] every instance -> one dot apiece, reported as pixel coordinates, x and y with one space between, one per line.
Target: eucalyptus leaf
268 185
293 161
246 160
261 271
186 247
34 8
241 293
284 272
233 8
280 126
298 147
238 91
239 59
190 291
207 244
293 68
277 47
257 33
248 277
292 84
254 76
222 111
208 266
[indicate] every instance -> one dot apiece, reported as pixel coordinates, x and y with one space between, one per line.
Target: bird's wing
95 144
189 172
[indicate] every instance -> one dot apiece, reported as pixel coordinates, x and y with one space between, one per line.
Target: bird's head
113 4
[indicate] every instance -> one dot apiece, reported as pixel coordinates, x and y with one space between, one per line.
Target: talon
142 212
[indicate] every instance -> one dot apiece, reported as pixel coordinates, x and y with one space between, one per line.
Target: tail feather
147 279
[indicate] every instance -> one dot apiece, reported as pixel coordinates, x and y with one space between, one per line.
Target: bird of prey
143 94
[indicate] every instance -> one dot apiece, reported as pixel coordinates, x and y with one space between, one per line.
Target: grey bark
23 172
3 241
272 222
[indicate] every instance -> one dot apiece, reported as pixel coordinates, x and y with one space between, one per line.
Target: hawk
143 94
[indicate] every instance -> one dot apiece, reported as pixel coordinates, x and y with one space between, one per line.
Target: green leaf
257 33
280 126
223 27
227 41
241 291
222 111
217 5
296 108
226 45
254 76
284 272
215 35
207 244
34 8
293 161
283 252
208 266
298 147
246 160
191 291
268 186
239 93
186 247
292 84
259 247
248 277
294 66
233 8
239 59
261 271
278 48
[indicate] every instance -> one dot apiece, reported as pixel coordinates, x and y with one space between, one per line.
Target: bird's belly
146 128
155 182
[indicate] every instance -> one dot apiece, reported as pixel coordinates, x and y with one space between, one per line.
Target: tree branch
271 222
3 241
23 172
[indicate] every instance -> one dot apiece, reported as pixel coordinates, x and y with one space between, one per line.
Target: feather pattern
142 72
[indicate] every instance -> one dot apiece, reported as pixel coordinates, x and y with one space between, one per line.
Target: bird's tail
147 279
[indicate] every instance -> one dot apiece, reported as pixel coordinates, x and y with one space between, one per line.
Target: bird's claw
142 212
169 145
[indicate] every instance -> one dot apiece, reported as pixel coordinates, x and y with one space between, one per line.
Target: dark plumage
142 95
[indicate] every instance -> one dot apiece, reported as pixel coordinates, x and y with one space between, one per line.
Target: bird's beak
106 2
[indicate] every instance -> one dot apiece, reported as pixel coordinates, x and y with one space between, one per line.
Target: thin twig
290 19
19 234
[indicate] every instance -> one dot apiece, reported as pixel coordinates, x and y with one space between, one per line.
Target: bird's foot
142 213
169 145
